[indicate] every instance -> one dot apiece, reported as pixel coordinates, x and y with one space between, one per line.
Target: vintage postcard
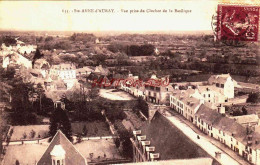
130 82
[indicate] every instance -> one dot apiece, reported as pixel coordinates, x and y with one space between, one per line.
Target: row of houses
203 106
218 89
242 140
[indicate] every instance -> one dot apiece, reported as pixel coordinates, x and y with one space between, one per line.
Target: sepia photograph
148 82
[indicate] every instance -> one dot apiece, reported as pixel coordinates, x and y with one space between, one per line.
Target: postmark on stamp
237 23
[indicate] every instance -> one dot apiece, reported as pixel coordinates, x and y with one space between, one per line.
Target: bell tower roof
58 151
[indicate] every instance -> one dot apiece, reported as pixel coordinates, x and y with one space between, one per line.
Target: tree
21 105
253 98
32 133
24 135
36 56
84 131
8 40
126 143
60 121
244 110
17 162
99 59
79 138
92 94
117 143
142 106
49 38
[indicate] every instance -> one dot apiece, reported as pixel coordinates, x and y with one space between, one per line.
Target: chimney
144 144
138 132
140 138
221 109
149 150
154 156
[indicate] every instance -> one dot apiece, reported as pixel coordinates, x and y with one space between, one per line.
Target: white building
16 59
225 82
66 72
185 103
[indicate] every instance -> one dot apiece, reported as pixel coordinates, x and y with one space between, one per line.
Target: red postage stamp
238 23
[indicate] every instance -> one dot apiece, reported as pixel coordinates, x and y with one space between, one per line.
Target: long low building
243 140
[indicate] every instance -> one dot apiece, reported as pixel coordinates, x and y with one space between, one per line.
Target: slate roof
72 156
186 96
227 125
101 70
247 119
222 78
162 133
210 88
219 78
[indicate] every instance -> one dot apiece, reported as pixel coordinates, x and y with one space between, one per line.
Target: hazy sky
47 15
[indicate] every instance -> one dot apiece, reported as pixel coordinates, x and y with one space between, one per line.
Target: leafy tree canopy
60 121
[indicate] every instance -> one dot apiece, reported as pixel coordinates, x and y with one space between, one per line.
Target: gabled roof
220 122
162 133
208 115
212 88
222 78
101 70
72 155
247 119
186 96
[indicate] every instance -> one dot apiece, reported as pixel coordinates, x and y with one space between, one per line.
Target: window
209 95
222 85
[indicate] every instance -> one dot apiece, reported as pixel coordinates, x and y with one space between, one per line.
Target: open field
19 131
29 154
25 154
97 128
98 148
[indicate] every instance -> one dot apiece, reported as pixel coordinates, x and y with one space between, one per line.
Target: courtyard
114 94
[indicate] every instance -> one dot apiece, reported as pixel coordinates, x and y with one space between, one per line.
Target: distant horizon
108 32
